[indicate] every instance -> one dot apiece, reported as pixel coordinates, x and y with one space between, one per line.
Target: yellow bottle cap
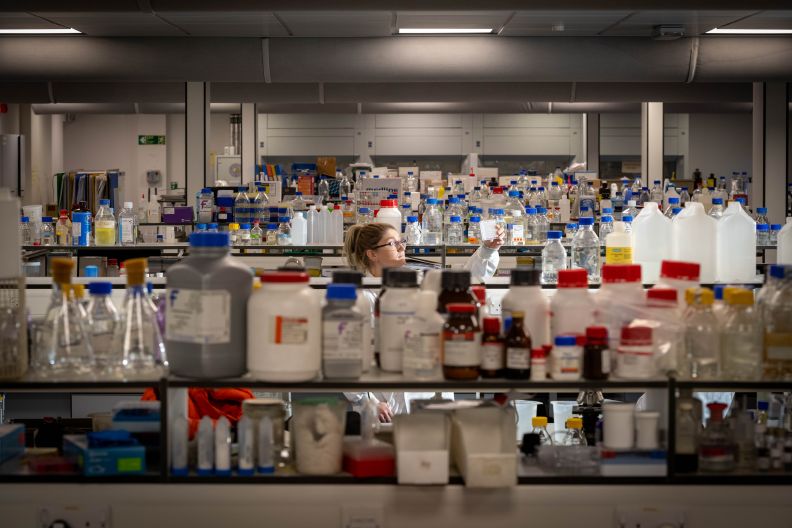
61 270
233 227
78 290
539 421
136 271
574 423
741 297
727 291
703 296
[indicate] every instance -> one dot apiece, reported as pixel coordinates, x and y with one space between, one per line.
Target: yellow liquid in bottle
105 235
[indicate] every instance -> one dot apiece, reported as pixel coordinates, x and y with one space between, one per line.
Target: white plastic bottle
525 295
652 232
785 243
336 237
397 306
618 245
222 447
571 308
299 230
179 436
127 225
245 435
389 214
619 298
423 339
694 239
205 447
364 306
736 246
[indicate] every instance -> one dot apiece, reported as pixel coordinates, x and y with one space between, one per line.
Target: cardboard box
12 441
422 447
483 446
103 461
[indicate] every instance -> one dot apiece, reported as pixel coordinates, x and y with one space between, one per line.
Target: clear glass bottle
103 318
574 434
772 238
63 346
543 224
702 336
127 225
63 229
644 196
284 231
571 231
539 424
688 433
474 230
272 234
531 227
25 232
656 194
298 203
242 206
605 228
586 250
631 209
345 187
716 211
498 216
46 232
456 232
716 448
741 338
413 231
432 224
554 258
138 338
256 234
324 190
243 235
778 326
673 202
762 235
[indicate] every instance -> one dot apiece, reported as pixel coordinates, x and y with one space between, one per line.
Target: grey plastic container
342 320
209 267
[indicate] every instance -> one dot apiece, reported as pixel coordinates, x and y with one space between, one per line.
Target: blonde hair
361 238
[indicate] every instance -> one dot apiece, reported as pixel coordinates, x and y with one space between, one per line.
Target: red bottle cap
662 294
461 308
492 325
480 292
538 353
620 273
284 277
636 335
574 278
672 269
388 203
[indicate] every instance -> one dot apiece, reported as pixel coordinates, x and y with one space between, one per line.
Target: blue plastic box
12 441
125 460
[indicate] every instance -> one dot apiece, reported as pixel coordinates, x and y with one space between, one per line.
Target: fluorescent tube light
445 31
64 31
727 31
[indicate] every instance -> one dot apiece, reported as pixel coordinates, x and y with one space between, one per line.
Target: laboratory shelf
735 386
132 387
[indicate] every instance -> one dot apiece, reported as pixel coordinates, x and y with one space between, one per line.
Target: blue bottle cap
586 221
24 219
453 200
201 226
206 190
762 405
100 288
717 201
627 218
775 227
365 210
552 235
498 211
430 201
244 226
272 227
298 193
607 210
412 219
718 289
530 211
104 201
514 193
241 189
741 200
91 271
283 219
676 210
541 210
565 341
475 219
46 219
762 227
761 210
455 219
205 239
571 225
212 226
606 219
344 292
541 189
673 200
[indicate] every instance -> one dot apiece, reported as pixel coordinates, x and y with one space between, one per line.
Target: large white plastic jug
693 239
785 243
736 245
651 241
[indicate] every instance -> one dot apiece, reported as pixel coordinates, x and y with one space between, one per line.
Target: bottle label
127 226
76 229
473 239
342 340
778 346
461 350
566 361
606 364
492 356
198 316
538 369
286 330
618 255
392 326
518 237
518 358
635 362
421 351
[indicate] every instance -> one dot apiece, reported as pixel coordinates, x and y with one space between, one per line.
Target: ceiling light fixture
727 31
445 31
63 31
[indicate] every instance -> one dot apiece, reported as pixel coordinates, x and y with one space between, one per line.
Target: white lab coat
482 265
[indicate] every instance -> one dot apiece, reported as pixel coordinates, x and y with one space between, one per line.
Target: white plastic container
482 446
619 245
646 428
526 412
397 306
694 236
525 295
571 308
679 276
618 425
621 289
422 359
736 246
652 233
566 359
284 329
389 214
299 230
423 442
785 243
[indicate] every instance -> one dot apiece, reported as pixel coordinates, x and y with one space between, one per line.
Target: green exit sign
151 140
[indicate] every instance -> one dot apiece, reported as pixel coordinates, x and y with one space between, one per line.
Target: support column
770 148
651 142
249 142
26 130
196 130
591 141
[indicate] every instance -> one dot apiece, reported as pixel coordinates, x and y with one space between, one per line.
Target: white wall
720 143
100 142
9 122
175 152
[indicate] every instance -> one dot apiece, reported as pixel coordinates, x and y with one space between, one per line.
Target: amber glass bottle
461 358
518 348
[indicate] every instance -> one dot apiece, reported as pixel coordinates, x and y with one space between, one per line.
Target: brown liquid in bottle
460 350
518 349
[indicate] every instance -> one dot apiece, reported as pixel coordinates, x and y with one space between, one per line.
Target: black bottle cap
530 441
400 278
348 277
455 280
525 277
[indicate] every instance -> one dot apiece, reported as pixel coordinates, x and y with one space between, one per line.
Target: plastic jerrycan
785 243
736 246
694 239
652 234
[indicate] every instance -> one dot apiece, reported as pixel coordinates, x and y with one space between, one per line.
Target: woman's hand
496 242
384 412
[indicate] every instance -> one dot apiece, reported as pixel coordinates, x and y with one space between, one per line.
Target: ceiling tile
337 23
574 23
765 20
25 21
641 23
226 24
112 24
452 19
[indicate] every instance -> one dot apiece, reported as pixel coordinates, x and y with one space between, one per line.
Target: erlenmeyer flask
138 338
